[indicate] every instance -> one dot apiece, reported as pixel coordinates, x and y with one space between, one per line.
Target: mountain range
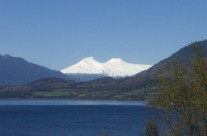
16 70
138 87
115 67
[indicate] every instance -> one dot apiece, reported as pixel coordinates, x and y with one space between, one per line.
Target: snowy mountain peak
116 60
89 59
115 67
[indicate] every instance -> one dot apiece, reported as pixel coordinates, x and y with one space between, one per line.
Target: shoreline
70 102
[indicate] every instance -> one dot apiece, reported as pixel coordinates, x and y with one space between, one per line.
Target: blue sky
58 33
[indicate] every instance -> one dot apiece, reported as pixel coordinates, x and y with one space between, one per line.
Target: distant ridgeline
138 87
14 70
183 57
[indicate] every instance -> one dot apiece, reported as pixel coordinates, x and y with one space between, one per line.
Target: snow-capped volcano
115 67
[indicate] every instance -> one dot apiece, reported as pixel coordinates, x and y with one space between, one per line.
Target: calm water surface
73 118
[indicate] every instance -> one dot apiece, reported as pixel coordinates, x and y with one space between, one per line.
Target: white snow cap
115 67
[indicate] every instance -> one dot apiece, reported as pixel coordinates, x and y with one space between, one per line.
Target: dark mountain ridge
15 70
183 57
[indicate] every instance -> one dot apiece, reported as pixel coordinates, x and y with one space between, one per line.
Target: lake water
73 118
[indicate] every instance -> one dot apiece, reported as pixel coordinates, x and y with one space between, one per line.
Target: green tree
183 92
